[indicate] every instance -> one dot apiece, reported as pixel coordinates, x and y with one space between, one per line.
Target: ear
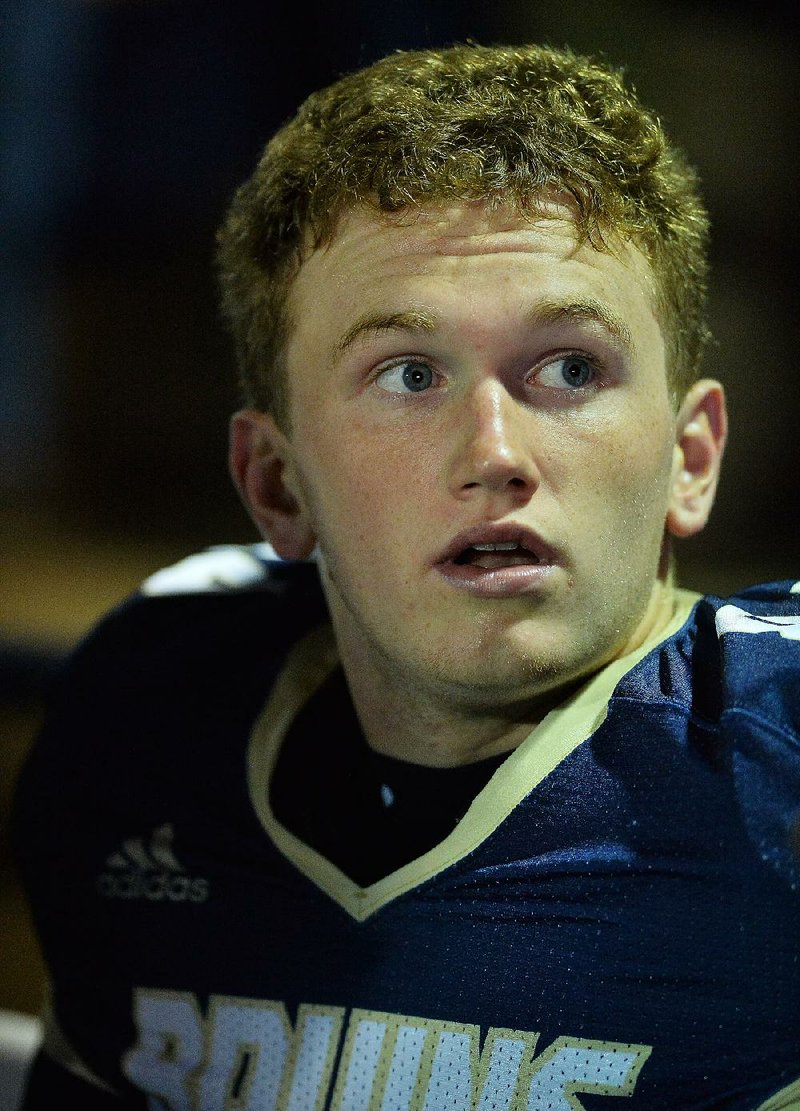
701 430
260 458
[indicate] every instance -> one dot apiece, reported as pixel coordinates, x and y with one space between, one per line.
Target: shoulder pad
218 570
758 633
732 618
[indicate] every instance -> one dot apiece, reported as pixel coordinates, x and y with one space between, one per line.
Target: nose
494 449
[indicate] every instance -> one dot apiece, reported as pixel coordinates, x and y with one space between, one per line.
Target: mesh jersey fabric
623 921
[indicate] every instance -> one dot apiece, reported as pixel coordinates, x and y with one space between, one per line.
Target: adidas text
150 871
155 886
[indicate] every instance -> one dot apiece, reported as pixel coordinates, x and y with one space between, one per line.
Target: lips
493 556
497 560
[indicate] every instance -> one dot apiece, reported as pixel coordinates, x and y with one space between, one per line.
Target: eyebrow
586 310
543 314
411 320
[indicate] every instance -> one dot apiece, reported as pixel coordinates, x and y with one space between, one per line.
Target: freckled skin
387 481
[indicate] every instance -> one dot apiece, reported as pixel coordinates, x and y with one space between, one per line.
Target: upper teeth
504 547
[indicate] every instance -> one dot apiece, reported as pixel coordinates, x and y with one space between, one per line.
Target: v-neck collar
313 660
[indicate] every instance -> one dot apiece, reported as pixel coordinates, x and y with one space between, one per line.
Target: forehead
455 261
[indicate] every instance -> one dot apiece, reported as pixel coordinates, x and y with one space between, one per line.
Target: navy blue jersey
616 915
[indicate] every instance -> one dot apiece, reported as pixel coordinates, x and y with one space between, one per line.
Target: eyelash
597 369
409 360
593 363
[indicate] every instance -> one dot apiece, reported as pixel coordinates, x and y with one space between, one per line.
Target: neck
437 729
429 731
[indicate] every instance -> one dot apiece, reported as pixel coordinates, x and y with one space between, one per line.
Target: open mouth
499 560
494 557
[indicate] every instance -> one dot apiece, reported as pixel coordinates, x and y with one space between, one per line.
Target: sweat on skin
458 376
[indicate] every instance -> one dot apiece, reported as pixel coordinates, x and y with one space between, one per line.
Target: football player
445 795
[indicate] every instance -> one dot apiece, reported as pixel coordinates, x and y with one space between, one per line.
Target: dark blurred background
125 127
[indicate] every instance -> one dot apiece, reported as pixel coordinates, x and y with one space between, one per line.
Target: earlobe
699 443
260 461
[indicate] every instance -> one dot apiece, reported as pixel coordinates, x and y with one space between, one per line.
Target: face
483 445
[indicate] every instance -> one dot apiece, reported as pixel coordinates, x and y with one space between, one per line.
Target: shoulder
219 604
768 608
722 695
200 640
732 655
752 642
224 568
232 576
163 692
758 650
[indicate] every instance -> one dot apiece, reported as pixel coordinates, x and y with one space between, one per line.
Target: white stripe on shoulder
214 571
795 589
732 619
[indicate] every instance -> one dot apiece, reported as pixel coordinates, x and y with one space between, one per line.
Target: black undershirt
368 814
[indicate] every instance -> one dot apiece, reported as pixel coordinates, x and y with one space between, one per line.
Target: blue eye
408 377
570 372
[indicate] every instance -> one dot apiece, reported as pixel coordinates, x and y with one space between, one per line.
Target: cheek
370 465
355 495
624 471
649 455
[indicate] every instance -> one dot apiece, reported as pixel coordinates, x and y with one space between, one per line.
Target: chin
509 673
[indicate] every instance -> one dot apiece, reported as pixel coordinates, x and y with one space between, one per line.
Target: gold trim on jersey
311 662
787 1099
58 1047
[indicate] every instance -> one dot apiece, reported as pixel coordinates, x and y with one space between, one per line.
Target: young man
462 804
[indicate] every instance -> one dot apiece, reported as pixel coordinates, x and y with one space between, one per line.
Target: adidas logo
136 872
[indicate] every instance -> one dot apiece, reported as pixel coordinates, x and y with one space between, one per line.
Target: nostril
498 482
